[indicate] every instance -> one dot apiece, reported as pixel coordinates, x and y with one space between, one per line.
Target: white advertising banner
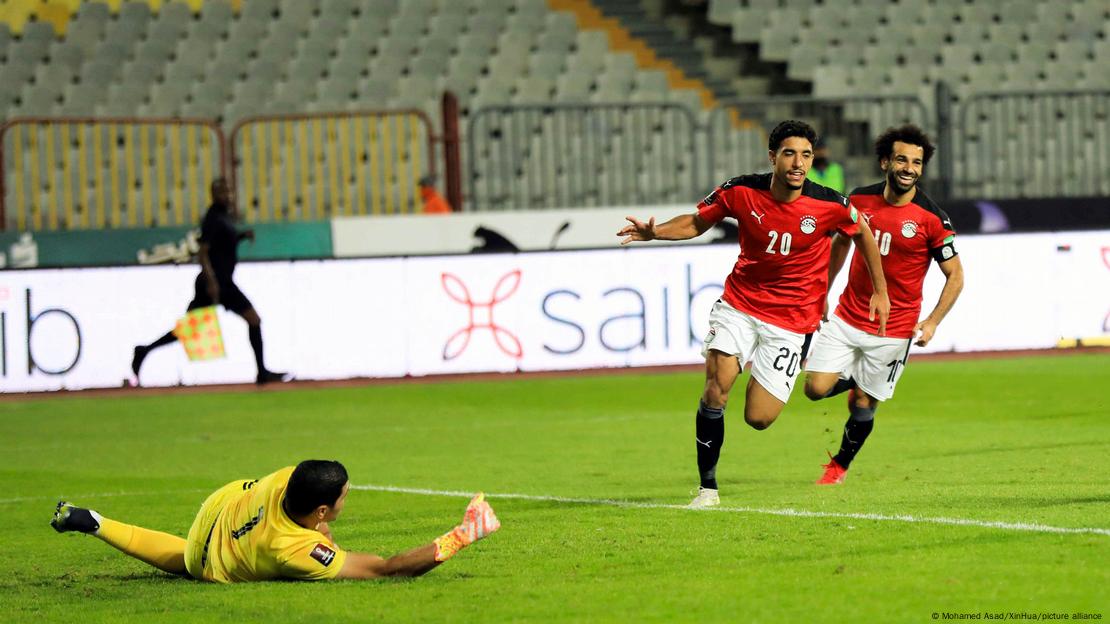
525 230
644 305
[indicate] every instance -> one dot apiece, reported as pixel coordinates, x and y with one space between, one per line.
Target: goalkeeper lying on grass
274 527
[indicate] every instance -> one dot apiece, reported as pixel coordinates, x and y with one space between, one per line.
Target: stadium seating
975 47
232 59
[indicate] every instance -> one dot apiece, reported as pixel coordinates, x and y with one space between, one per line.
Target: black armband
947 251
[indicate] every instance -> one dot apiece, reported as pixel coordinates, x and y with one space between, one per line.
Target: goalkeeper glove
478 522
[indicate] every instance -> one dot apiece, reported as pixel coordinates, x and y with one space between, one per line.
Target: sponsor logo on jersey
909 229
759 217
809 224
323 554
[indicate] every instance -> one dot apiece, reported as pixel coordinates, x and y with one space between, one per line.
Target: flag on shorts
199 333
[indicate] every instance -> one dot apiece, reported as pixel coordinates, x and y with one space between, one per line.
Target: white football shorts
876 362
776 354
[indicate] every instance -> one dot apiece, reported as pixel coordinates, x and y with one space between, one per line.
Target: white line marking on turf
797 513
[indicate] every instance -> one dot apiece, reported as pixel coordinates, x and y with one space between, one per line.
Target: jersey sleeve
942 239
848 225
716 205
311 558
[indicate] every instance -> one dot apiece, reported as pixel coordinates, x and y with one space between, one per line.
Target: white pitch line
796 513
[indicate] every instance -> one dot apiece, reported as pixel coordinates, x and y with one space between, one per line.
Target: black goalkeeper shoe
69 518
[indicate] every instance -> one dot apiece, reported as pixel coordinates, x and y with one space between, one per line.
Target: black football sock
161 342
856 430
710 437
142 351
255 333
842 385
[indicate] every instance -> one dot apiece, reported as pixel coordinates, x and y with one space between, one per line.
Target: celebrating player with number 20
773 299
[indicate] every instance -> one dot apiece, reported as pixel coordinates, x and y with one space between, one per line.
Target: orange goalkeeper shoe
834 472
479 521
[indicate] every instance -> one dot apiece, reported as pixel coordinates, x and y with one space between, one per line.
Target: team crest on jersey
809 224
909 229
323 554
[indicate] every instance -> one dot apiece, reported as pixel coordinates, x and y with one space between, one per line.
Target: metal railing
69 173
1030 144
82 173
323 165
579 155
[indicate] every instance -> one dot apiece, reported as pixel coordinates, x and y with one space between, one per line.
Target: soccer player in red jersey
851 352
772 299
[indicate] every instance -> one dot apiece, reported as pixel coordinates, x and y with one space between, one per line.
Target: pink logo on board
480 315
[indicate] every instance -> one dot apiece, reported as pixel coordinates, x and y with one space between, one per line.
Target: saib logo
56 330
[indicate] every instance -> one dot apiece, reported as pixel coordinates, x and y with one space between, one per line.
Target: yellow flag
199 333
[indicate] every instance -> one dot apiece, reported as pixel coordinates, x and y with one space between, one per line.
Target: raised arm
880 303
954 283
682 227
478 522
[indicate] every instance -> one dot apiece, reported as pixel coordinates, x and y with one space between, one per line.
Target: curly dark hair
910 134
790 128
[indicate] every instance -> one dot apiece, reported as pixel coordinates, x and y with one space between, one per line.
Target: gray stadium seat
546 65
573 87
720 11
534 90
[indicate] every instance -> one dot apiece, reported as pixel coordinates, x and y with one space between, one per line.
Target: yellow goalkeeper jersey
243 534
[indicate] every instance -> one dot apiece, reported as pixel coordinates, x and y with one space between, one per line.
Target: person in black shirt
219 243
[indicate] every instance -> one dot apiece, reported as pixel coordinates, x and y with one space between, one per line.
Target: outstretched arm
880 303
954 283
478 522
412 563
682 227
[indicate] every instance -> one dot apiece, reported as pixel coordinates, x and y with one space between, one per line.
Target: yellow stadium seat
113 5
56 14
15 15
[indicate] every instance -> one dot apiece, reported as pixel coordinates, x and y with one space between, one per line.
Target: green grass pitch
1007 440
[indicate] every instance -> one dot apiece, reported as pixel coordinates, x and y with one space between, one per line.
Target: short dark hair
908 133
790 128
314 482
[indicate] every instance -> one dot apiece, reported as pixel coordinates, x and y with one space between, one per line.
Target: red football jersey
907 237
781 274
